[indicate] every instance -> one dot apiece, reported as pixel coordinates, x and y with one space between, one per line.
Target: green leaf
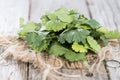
37 42
75 35
55 25
44 19
73 11
103 30
63 15
82 26
57 50
78 48
21 22
51 16
38 26
72 56
93 44
29 27
103 38
115 34
61 10
92 23
65 18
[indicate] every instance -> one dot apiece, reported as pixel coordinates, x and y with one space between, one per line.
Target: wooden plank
114 73
12 70
39 7
102 13
11 11
107 12
34 74
83 74
115 8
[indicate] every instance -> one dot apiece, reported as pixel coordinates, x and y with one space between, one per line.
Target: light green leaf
78 48
73 11
29 27
44 19
115 34
65 18
55 25
93 43
61 10
21 22
103 30
51 16
63 15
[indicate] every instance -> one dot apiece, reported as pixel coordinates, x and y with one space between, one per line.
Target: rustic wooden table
107 12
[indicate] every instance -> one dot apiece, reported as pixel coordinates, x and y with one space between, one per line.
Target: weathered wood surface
10 12
104 11
107 13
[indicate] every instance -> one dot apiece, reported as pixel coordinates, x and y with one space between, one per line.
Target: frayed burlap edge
19 50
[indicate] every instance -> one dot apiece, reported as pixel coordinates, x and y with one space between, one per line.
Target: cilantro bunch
67 34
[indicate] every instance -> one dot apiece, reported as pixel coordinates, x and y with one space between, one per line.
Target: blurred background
106 12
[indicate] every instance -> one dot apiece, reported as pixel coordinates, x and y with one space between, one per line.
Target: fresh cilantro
66 33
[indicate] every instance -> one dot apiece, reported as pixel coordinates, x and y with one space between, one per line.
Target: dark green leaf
103 38
76 35
72 56
92 23
57 50
37 42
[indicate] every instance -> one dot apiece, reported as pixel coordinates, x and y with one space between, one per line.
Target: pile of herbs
67 34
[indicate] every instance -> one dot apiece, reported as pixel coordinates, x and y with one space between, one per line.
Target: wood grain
10 12
39 7
102 13
107 13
